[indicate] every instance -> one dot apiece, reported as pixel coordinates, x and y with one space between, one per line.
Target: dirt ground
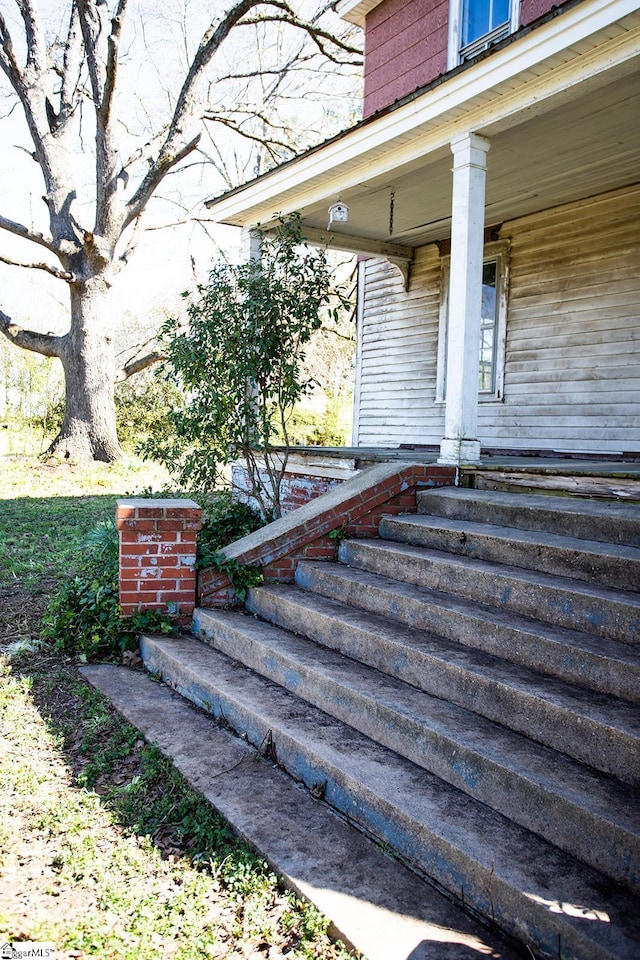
21 611
37 894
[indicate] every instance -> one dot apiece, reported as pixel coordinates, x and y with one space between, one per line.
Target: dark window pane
486 370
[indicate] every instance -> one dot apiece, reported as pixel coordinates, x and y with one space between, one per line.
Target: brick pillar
158 555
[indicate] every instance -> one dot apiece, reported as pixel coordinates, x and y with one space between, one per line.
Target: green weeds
42 537
144 866
104 849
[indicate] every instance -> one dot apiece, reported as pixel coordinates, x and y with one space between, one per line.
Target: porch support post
460 443
249 245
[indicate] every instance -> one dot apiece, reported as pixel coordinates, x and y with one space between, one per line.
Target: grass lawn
104 848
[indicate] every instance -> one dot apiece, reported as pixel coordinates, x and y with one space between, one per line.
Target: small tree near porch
238 355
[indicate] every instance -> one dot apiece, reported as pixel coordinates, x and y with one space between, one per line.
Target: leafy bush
239 356
223 521
310 429
84 616
142 407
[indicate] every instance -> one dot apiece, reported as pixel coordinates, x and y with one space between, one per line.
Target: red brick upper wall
532 9
405 47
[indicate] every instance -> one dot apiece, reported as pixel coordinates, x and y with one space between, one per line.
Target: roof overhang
355 11
560 105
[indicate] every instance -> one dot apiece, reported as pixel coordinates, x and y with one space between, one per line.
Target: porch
606 476
543 139
459 680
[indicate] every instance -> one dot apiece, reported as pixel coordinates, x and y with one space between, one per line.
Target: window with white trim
475 24
493 324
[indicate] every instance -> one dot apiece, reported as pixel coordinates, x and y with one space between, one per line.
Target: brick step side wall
158 555
353 508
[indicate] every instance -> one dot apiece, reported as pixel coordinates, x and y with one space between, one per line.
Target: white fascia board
355 11
429 122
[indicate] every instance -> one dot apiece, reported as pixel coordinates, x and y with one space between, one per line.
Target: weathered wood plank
572 375
585 486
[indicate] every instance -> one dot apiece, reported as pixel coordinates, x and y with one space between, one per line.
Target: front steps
476 710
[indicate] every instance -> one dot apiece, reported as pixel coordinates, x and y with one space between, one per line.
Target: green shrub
142 407
309 428
84 617
239 356
223 521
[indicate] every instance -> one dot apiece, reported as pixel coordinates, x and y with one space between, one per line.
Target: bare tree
59 84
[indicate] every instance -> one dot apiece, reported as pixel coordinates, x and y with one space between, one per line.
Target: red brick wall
405 47
532 9
296 489
358 513
158 555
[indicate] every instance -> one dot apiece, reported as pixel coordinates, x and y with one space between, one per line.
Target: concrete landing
374 903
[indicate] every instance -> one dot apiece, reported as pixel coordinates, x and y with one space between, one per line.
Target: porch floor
543 461
607 476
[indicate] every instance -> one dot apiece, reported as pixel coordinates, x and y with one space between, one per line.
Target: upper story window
483 21
476 24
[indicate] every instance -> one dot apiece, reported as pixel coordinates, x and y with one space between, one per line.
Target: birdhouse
338 213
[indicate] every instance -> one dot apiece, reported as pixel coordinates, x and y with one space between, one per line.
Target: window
475 24
492 324
488 325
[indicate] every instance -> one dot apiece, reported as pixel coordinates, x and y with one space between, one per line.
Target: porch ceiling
564 128
578 150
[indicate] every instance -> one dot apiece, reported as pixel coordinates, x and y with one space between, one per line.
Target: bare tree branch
67 87
46 267
174 149
71 68
270 144
317 34
21 231
136 366
92 19
8 61
32 85
112 60
44 343
131 246
101 46
157 172
36 47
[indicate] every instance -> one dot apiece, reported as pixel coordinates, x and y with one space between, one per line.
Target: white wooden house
493 191
459 676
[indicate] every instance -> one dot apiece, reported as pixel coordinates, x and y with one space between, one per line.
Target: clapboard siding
398 351
572 367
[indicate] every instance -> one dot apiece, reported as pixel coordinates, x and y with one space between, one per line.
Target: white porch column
249 245
460 443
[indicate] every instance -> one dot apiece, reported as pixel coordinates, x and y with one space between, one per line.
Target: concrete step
610 565
563 655
573 604
583 813
541 895
373 903
593 728
570 516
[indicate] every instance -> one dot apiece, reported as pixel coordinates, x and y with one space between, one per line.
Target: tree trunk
88 430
